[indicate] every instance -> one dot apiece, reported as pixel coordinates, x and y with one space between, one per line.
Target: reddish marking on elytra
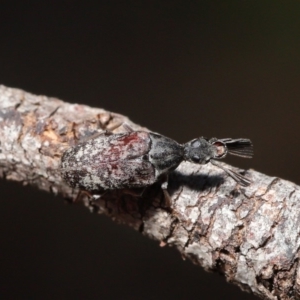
114 166
129 138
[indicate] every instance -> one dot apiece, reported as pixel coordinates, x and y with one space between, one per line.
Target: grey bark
251 235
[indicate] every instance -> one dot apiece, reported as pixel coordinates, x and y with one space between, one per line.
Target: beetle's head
201 150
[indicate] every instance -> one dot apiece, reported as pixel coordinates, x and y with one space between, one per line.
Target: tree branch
251 235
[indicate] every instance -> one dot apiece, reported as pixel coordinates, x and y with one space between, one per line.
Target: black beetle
137 159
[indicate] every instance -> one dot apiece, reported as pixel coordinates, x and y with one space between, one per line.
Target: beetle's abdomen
165 154
109 162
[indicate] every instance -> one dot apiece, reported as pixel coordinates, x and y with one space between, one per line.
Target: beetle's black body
140 158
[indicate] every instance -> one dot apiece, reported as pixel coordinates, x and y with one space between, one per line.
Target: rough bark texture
251 235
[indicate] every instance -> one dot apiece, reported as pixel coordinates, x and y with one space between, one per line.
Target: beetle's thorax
165 154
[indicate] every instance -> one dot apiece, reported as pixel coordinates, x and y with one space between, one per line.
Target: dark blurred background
181 68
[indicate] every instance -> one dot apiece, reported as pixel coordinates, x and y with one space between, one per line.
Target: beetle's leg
92 198
107 132
79 197
135 192
164 187
92 202
127 127
117 125
93 136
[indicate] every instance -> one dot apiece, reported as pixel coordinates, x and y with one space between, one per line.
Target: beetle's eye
195 158
195 144
220 149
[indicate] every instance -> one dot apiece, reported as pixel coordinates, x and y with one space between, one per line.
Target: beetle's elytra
139 158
